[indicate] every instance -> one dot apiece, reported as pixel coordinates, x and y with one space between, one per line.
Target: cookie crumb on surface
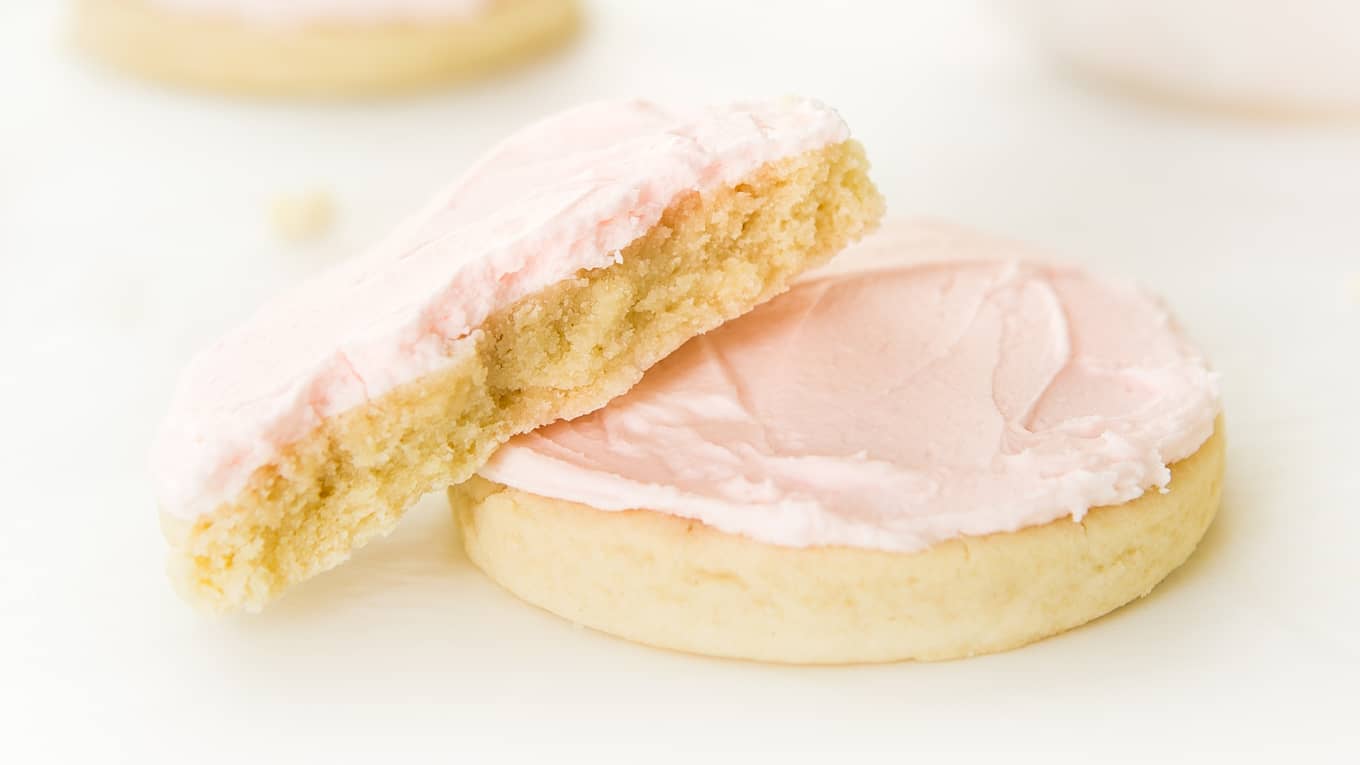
302 216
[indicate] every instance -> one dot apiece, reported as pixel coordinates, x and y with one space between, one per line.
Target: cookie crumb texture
317 60
674 583
1351 288
557 354
302 217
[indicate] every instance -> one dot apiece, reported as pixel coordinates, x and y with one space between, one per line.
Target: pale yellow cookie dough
673 583
302 216
556 354
332 59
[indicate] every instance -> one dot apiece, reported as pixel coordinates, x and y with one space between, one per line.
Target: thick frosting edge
563 195
738 483
299 12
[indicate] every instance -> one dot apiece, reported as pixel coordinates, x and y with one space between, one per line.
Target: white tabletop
133 227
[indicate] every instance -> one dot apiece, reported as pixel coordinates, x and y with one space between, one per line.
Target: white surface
1261 54
134 226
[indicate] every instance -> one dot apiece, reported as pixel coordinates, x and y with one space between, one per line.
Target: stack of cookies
662 409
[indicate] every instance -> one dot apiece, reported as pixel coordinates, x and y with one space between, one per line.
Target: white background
133 227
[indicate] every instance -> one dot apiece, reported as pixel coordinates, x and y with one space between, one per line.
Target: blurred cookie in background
320 48
1261 58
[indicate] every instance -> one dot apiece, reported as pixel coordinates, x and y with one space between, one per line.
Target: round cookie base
679 584
336 59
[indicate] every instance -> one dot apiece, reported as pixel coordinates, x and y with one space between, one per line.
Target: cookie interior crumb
557 354
302 216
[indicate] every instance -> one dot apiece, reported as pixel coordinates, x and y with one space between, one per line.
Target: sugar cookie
575 255
935 448
319 47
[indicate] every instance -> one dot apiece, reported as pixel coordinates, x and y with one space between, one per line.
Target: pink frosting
928 385
558 197
305 11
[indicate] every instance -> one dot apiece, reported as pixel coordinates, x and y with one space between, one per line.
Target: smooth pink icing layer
930 384
563 195
308 11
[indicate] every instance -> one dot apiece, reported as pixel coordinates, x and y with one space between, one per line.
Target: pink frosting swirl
930 384
560 196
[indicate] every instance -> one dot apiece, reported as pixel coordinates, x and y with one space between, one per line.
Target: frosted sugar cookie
319 47
572 257
935 448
